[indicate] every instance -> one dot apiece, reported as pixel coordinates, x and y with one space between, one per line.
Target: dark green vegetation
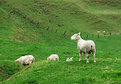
43 27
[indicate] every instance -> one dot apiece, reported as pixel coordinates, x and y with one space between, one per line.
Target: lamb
25 60
53 57
84 46
69 59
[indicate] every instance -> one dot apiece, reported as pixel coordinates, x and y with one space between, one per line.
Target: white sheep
53 57
25 60
69 59
84 46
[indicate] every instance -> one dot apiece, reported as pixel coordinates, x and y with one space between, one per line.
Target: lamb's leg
87 58
84 56
94 56
80 55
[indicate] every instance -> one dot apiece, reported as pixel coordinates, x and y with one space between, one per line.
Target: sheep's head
16 61
69 59
75 36
48 58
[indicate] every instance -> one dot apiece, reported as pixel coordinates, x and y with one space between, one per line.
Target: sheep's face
75 36
69 59
16 61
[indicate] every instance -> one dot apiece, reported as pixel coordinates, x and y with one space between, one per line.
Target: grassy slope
106 70
23 30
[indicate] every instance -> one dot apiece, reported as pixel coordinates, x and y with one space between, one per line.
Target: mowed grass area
41 28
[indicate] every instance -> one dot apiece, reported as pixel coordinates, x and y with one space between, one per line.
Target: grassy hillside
27 20
42 28
105 70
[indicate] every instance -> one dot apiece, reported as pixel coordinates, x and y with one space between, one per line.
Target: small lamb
69 59
84 46
25 60
53 57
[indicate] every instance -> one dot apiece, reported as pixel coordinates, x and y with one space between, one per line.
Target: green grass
105 70
37 27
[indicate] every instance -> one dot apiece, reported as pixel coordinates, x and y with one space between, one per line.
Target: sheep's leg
87 58
80 55
84 56
94 56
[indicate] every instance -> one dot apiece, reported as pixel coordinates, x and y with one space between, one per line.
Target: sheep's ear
79 33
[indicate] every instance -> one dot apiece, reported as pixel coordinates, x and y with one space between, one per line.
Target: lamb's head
69 59
75 36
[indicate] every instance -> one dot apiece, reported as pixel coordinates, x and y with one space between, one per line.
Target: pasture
41 28
105 70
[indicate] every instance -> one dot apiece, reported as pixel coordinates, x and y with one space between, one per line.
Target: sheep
25 60
53 57
69 59
84 46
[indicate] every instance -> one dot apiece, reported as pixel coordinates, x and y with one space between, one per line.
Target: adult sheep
84 46
25 60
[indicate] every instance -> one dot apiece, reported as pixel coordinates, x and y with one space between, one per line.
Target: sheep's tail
90 50
91 47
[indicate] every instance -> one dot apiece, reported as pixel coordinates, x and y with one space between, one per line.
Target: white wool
24 60
53 57
84 46
69 59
